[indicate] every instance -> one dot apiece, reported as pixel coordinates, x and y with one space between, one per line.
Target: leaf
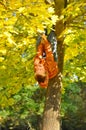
1 59
21 9
3 51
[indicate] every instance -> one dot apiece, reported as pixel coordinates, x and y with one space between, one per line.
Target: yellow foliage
11 101
3 67
19 24
1 59
71 52
3 51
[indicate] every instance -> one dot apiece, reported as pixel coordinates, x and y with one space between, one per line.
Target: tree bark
51 120
51 116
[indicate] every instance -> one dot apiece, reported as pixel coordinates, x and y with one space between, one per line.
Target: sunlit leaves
19 23
74 11
75 39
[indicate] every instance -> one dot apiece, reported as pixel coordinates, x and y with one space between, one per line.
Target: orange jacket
45 67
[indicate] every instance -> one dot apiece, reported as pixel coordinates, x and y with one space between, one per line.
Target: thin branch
3 5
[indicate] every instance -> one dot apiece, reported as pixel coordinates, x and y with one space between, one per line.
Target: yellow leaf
3 51
54 18
3 67
1 59
7 34
51 10
9 44
11 101
21 9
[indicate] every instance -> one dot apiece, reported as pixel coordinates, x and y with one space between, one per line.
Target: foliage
75 39
73 106
29 103
20 22
74 66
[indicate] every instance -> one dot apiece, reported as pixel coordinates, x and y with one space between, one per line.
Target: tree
20 22
51 119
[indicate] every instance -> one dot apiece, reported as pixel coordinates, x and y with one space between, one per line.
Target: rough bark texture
51 117
51 120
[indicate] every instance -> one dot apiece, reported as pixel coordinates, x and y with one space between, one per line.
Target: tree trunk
51 116
51 120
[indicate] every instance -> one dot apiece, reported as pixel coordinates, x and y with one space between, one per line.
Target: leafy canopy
19 24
